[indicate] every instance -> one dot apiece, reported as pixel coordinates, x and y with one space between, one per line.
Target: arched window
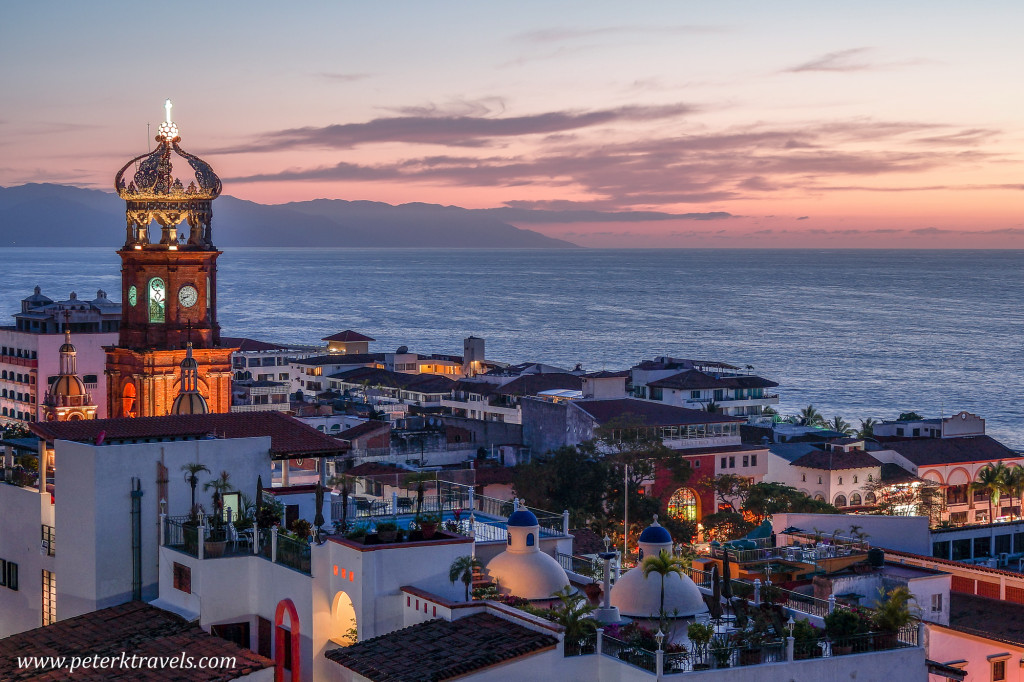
855 500
510 539
803 477
869 498
840 500
530 540
855 479
157 299
840 480
683 505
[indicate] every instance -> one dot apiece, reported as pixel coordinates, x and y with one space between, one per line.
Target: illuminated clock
133 296
187 296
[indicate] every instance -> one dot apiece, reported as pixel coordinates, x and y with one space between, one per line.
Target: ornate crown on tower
154 179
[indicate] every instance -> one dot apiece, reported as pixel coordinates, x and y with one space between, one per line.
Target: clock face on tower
187 296
133 296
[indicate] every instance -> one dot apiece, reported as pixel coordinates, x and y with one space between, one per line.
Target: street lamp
659 636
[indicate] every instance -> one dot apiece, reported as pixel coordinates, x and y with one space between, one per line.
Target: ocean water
855 333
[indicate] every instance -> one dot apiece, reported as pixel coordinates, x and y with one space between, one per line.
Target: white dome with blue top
639 596
522 569
523 518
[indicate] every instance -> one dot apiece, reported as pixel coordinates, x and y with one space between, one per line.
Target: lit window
683 505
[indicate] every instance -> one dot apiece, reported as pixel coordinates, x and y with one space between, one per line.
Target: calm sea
856 333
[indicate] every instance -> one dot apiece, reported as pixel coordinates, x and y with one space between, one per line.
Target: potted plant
806 638
387 531
428 525
217 539
302 528
893 612
841 626
700 635
358 533
721 650
751 641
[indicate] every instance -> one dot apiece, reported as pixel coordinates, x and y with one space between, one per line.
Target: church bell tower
168 286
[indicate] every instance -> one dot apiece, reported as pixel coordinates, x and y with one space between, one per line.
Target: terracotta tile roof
493 475
134 628
695 379
289 437
476 387
984 617
894 474
342 359
248 345
836 460
586 541
347 335
608 374
532 384
441 649
937 451
420 383
375 469
363 429
649 413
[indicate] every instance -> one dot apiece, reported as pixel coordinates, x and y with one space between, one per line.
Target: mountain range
63 215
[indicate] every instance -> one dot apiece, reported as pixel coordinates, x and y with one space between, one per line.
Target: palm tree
839 425
1013 484
574 614
192 478
219 486
992 480
810 417
664 564
712 406
462 569
867 428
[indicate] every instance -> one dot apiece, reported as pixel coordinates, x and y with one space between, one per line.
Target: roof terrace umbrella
319 520
716 593
259 498
726 577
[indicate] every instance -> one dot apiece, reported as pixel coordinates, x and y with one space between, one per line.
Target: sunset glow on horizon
752 124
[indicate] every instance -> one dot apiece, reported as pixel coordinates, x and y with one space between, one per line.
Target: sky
686 124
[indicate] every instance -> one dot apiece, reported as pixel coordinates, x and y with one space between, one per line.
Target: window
694 395
656 393
723 462
683 505
746 460
854 479
819 480
182 578
732 462
753 460
49 598
696 464
840 480
937 603
157 300
840 500
998 670
855 500
47 538
12 576
803 477
530 540
869 498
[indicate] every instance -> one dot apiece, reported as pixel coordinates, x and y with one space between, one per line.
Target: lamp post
625 515
659 656
789 640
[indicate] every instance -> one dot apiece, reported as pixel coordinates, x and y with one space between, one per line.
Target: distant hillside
61 215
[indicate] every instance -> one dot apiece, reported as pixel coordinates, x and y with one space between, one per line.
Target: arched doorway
684 505
287 654
344 629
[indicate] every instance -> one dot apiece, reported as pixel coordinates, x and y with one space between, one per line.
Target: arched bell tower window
530 541
157 300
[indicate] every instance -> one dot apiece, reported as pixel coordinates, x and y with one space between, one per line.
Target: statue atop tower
168 280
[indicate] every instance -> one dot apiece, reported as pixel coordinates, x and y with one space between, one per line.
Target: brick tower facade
168 288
